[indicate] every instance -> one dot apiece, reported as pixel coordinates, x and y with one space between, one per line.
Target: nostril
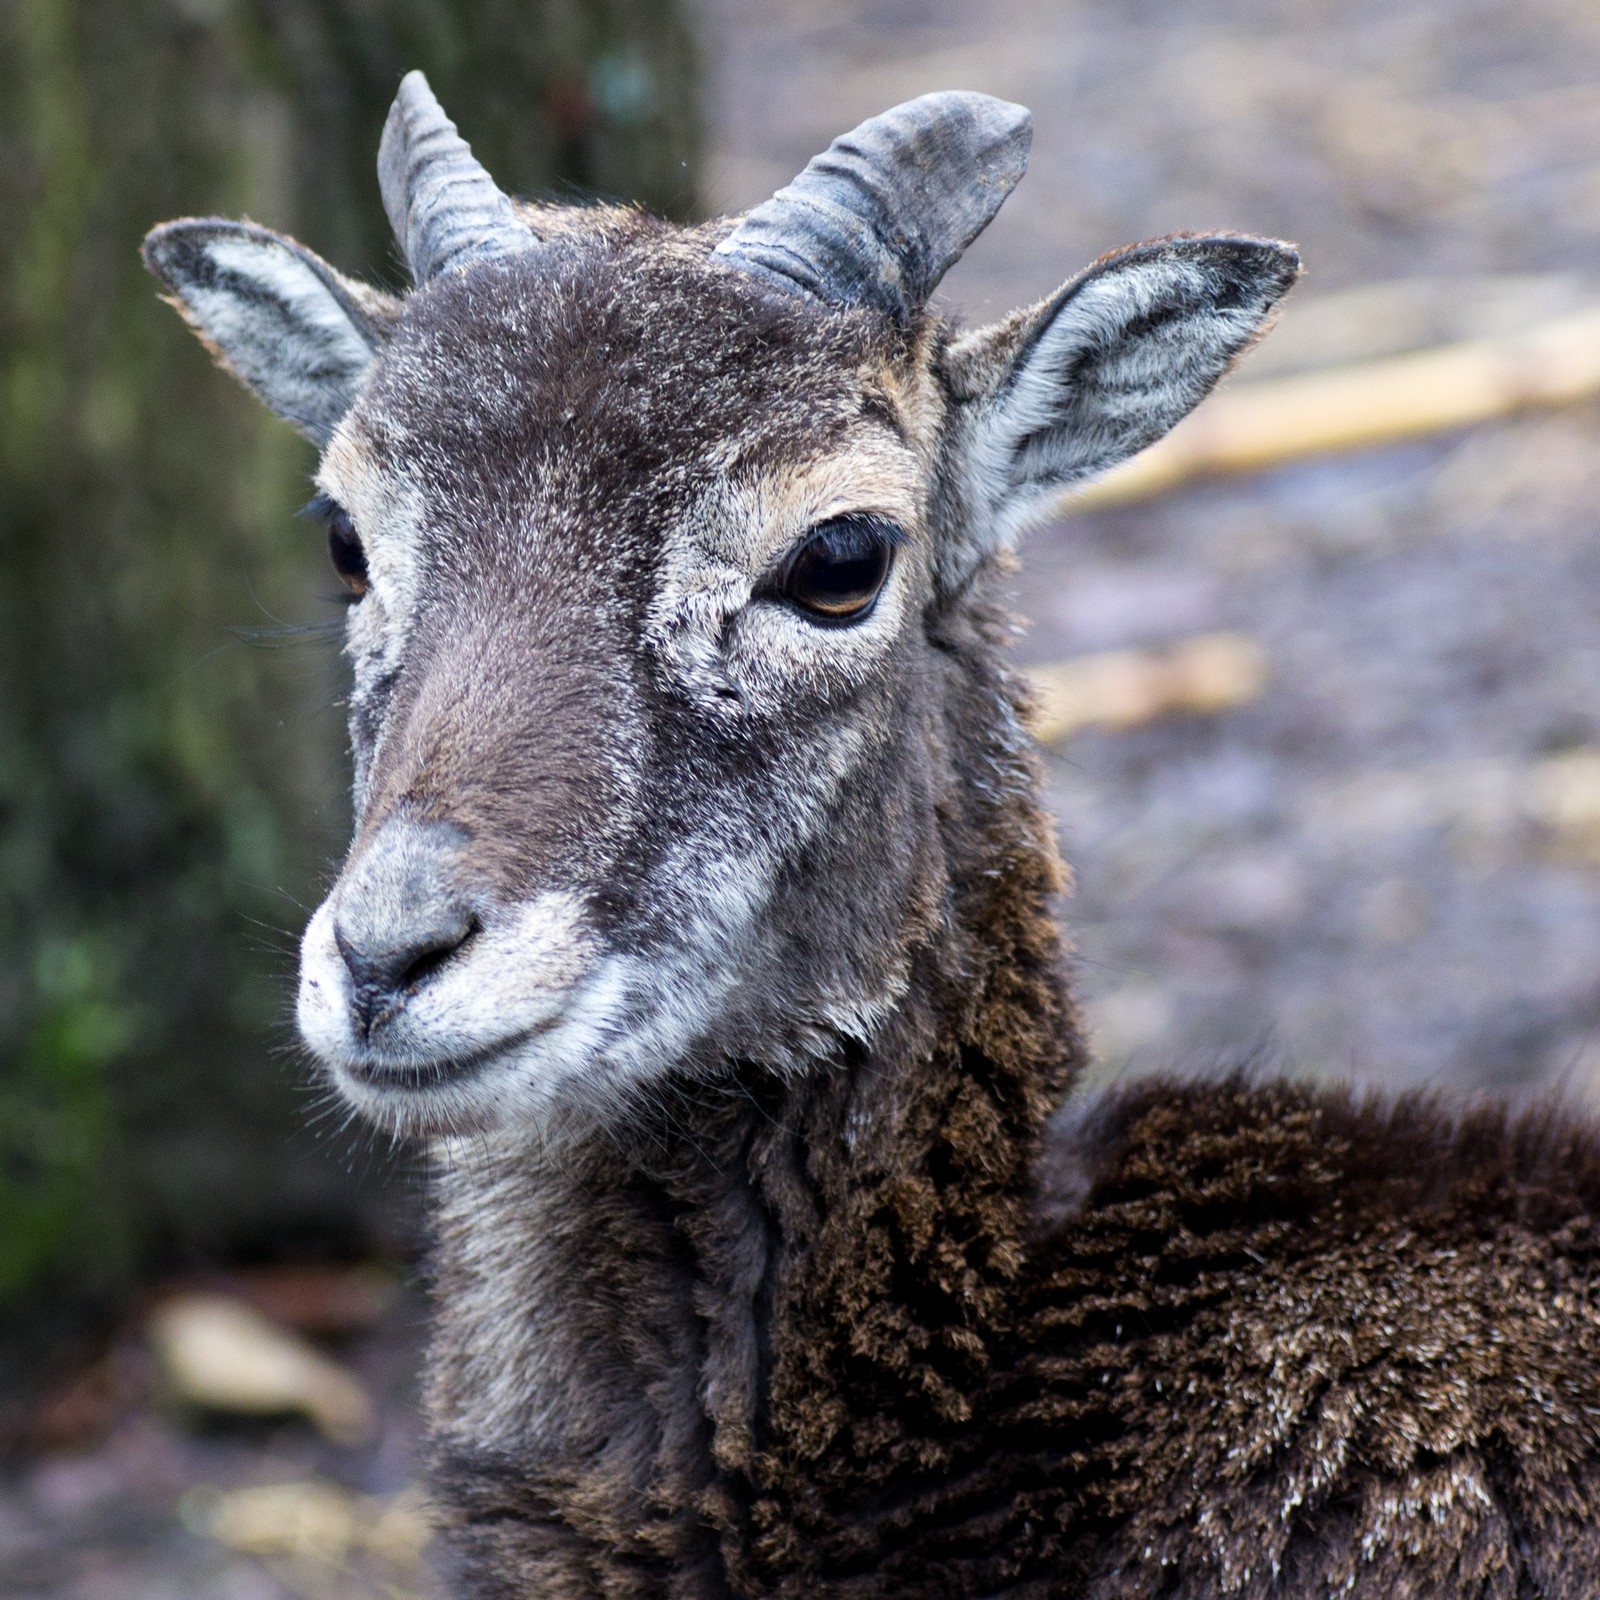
428 962
404 908
384 975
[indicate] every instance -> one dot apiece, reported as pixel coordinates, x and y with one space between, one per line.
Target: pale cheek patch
517 975
739 655
637 1015
711 889
633 1016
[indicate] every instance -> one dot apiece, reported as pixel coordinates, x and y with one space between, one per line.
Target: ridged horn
444 207
885 211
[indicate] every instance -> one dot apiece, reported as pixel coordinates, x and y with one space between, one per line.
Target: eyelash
834 576
344 546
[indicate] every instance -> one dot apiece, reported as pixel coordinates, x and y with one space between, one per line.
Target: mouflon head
664 544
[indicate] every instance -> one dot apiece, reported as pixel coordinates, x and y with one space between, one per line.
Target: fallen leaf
219 1353
312 1521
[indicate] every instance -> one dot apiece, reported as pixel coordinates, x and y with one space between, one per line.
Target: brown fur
830 1310
1230 1339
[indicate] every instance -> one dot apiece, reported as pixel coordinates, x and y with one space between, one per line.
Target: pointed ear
292 330
1105 366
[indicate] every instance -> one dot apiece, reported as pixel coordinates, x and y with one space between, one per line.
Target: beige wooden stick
1198 676
1282 419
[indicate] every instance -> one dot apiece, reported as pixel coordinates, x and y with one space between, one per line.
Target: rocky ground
1387 863
135 1488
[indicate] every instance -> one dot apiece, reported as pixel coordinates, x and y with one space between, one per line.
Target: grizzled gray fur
699 914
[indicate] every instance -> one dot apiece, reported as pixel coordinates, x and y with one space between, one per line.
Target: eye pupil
836 575
344 549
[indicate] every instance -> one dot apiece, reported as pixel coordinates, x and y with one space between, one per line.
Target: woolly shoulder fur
893 1331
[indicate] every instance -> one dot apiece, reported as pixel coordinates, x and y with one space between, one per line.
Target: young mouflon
700 914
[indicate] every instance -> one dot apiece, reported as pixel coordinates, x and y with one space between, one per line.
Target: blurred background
1325 733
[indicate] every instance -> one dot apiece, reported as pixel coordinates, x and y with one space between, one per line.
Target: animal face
668 548
636 536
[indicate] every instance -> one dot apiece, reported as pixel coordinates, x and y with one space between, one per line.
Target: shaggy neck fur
673 1360
859 1321
887 1329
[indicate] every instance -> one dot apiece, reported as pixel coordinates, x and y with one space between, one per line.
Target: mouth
413 1077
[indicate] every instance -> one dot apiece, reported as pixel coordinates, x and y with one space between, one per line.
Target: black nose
400 912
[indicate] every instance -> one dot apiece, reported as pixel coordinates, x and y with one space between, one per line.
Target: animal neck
679 1344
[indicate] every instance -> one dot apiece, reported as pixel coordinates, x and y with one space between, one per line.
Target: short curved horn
443 206
885 211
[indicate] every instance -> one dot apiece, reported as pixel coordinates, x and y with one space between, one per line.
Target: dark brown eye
837 573
344 548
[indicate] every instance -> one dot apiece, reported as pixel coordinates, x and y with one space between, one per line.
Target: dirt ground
140 1496
1348 875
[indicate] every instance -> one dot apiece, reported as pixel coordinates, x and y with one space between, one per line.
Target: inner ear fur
294 331
1066 389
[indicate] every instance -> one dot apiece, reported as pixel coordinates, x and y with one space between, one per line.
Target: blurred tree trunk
170 787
